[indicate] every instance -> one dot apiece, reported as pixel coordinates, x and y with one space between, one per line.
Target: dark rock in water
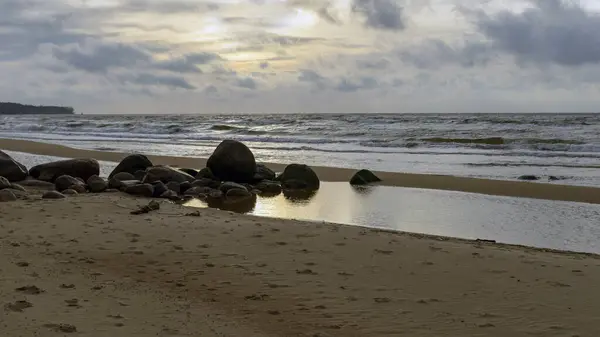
53 195
529 177
189 171
66 181
232 161
139 175
263 173
159 189
226 186
70 192
124 176
4 183
166 174
554 178
170 194
299 196
11 169
142 190
184 186
238 193
268 187
7 196
17 187
196 191
234 204
207 174
131 164
364 177
97 184
77 168
297 176
174 186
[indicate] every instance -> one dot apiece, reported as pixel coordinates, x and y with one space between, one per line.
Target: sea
565 147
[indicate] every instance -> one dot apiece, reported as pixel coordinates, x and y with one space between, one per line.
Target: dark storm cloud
101 57
553 31
146 79
247 83
351 85
381 14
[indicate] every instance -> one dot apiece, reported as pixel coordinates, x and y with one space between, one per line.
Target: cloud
99 57
381 14
247 83
146 79
187 63
349 85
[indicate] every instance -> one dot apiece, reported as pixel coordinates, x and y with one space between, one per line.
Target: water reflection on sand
550 224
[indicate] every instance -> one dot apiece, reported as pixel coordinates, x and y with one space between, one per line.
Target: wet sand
440 182
86 264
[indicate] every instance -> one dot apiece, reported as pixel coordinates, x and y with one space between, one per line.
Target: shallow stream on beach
541 223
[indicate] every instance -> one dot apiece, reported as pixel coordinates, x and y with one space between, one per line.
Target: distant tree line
23 109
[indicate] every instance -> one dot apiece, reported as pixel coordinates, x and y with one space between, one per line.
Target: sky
302 56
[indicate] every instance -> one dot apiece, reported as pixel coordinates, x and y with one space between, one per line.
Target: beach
87 266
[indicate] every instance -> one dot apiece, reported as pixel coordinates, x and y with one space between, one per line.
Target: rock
268 187
263 173
226 186
77 168
53 195
124 176
97 184
174 186
7 196
11 169
184 186
170 194
238 193
529 177
142 190
79 188
69 192
4 183
206 173
297 176
166 174
131 164
196 191
65 182
215 195
205 182
554 178
364 177
17 187
127 183
36 183
139 175
159 189
232 161
189 171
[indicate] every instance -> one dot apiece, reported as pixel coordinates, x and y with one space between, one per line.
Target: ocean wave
223 127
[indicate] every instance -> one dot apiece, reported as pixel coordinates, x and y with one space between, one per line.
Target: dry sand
440 182
86 264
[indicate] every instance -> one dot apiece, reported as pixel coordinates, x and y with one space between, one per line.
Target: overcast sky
247 56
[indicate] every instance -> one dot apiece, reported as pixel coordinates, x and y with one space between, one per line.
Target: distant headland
7 108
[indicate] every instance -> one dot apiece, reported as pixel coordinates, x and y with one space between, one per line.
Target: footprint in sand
30 290
18 306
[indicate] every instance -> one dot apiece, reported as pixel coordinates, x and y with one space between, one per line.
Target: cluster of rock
231 174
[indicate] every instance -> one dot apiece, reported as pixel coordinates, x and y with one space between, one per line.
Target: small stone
7 195
143 190
4 183
17 187
97 184
53 195
70 192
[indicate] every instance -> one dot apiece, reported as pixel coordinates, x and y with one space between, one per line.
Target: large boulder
297 176
78 168
132 164
263 173
66 181
364 177
11 169
166 174
232 161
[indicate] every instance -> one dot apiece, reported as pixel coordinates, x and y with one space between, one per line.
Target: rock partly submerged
364 177
232 161
299 176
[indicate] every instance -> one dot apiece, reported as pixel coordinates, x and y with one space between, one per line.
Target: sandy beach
86 266
427 181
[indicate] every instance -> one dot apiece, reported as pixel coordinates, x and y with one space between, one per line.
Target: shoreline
413 180
224 274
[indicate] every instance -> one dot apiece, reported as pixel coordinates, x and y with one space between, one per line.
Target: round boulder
263 173
53 195
97 184
131 164
166 174
364 177
4 183
268 187
226 186
174 186
297 176
142 190
232 161
159 189
124 176
7 196
70 192
77 168
238 193
11 169
66 181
